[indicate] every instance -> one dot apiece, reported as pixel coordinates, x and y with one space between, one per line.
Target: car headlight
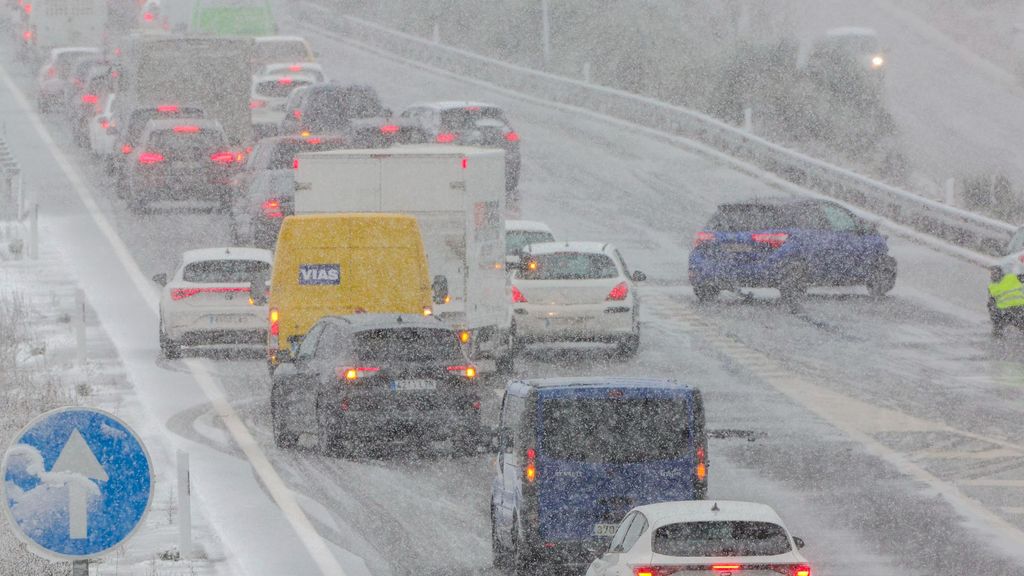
877 61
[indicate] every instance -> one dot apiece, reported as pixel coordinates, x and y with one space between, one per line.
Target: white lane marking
279 491
992 483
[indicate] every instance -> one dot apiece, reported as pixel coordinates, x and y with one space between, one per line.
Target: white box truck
57 23
457 195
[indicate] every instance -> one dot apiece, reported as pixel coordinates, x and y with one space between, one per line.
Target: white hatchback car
576 291
305 68
702 537
101 138
207 300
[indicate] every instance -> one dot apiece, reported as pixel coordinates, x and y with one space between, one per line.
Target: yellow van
333 264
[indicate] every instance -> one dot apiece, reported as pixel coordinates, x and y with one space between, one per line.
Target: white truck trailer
457 195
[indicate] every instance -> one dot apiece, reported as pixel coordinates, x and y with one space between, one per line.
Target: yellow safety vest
1008 292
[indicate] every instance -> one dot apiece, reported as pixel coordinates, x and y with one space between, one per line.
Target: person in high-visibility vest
1005 300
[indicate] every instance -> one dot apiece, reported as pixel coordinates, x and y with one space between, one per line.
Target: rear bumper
406 424
710 271
214 324
215 337
603 323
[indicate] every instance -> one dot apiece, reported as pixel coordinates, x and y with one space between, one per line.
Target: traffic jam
384 268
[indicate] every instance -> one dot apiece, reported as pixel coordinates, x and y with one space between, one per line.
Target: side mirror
638 276
440 289
160 279
798 541
258 292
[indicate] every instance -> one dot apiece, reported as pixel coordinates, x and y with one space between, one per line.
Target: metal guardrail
960 227
17 208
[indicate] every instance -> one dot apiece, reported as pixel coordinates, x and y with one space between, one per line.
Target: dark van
574 455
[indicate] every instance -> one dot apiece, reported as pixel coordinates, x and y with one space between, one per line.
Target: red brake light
51 72
285 81
472 108
27 35
654 571
255 104
702 238
272 208
167 108
313 141
800 570
275 328
295 68
151 158
445 138
223 158
517 296
148 16
389 129
512 137
724 567
104 124
297 114
702 464
90 98
182 293
467 371
28 8
295 164
530 472
186 129
772 239
355 372
619 292
126 149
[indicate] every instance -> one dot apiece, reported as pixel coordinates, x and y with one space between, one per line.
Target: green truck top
233 18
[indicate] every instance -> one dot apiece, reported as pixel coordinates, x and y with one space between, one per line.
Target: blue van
789 244
576 454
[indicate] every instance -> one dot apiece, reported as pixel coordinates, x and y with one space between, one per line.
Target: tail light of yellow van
275 327
530 471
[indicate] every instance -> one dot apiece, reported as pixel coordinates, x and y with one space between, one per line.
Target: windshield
615 430
139 118
466 118
569 266
689 539
225 271
408 344
515 240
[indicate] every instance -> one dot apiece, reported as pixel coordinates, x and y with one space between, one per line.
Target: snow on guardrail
960 227
14 206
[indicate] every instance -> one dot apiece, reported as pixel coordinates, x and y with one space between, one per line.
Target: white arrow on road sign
77 458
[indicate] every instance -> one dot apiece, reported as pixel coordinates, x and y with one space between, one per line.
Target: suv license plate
605 529
418 384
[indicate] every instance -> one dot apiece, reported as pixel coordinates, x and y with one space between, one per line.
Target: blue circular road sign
77 482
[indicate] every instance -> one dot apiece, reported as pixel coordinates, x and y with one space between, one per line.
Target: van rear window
614 430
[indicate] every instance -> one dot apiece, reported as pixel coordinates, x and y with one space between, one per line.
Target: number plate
417 384
605 529
737 247
228 319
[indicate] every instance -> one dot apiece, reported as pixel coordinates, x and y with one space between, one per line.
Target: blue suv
789 244
575 455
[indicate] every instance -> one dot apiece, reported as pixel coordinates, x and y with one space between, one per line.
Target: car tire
793 285
518 346
506 363
628 346
706 293
326 439
283 438
521 560
169 349
882 277
501 557
137 204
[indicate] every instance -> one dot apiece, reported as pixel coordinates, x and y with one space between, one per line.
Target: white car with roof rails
519 233
306 68
697 537
207 299
576 292
268 97
101 137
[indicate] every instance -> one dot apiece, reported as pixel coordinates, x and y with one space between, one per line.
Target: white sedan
268 97
576 291
207 300
697 537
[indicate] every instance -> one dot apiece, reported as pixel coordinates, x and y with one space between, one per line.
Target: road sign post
76 483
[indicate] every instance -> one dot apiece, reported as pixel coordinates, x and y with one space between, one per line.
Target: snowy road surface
890 432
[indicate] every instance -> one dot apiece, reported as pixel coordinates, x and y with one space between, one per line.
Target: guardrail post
951 191
546 32
79 320
184 506
80 568
33 234
748 119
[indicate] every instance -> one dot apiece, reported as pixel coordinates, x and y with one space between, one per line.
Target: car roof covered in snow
556 247
708 511
526 225
227 253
